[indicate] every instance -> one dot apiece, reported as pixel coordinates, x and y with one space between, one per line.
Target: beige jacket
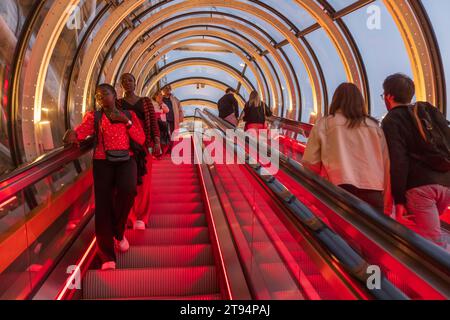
357 156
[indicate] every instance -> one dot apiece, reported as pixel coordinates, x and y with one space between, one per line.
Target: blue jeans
427 204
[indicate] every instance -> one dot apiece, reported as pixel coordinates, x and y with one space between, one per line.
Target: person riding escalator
348 147
114 169
144 110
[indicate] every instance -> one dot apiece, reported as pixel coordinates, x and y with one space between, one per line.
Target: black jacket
403 139
256 115
228 105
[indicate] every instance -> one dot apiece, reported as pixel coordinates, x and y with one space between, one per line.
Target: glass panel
328 58
65 203
13 15
52 125
226 57
46 122
438 13
189 110
72 109
38 224
198 92
379 62
274 70
293 11
305 85
14 272
274 256
274 33
340 4
201 71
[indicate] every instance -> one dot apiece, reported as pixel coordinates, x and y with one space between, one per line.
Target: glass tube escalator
214 233
412 263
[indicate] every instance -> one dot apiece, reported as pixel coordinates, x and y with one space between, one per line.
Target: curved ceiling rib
134 36
207 81
86 70
417 48
38 51
250 51
199 102
141 73
197 62
345 52
164 50
420 57
350 65
37 67
134 55
262 52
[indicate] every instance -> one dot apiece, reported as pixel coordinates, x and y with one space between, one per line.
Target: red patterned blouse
116 135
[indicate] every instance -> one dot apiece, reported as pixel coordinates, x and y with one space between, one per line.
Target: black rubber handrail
433 261
296 126
346 256
24 177
399 230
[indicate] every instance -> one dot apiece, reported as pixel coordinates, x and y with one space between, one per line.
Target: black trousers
115 189
372 197
171 126
171 130
164 132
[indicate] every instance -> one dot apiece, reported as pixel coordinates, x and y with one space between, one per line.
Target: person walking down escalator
175 115
114 169
144 110
161 111
348 147
228 107
255 113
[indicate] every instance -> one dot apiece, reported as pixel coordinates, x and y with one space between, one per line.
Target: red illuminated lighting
222 262
79 264
9 201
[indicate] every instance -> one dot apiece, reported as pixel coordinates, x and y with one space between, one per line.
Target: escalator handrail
406 235
292 125
21 178
385 225
342 252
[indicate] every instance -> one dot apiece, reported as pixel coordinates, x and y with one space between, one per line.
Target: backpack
140 155
433 147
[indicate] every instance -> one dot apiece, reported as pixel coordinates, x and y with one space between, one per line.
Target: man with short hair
175 115
228 107
416 186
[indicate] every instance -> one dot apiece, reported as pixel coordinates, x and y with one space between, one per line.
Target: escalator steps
173 258
177 207
174 197
168 236
150 282
166 256
177 221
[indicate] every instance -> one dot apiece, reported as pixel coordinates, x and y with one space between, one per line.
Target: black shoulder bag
111 155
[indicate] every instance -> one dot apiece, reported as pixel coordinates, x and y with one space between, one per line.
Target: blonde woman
161 111
255 113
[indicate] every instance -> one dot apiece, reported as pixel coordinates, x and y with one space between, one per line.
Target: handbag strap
98 115
101 129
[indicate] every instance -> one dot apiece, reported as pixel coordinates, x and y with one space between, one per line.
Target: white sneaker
123 245
139 225
110 265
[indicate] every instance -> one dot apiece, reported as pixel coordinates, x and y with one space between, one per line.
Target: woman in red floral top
144 110
114 182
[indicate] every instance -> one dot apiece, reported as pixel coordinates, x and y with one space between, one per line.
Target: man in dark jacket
228 107
416 187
